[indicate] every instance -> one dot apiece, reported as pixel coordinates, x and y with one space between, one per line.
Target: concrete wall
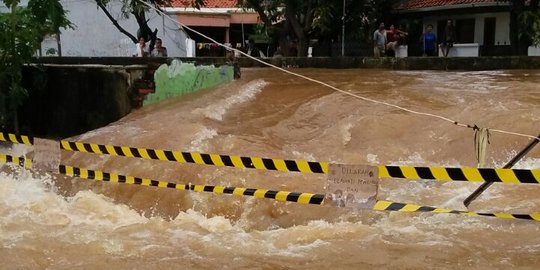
416 63
64 101
72 95
95 35
181 78
409 63
502 25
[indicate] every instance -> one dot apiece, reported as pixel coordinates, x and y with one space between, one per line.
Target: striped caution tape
8 137
200 158
26 163
302 198
283 196
412 173
404 172
403 207
514 176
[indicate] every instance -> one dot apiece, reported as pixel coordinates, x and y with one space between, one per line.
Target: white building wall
502 25
95 35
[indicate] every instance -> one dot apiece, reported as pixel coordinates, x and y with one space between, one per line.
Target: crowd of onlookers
385 42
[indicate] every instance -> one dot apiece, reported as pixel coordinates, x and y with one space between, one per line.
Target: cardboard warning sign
354 186
46 155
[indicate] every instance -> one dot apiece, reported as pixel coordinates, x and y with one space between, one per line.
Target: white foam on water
201 138
345 131
528 163
217 224
303 155
30 200
219 108
372 158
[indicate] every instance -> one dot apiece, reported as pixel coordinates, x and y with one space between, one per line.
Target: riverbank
408 63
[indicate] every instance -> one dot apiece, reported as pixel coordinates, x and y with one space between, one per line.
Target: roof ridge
208 3
417 4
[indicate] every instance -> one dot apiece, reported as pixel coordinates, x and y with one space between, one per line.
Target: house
221 20
482 23
95 35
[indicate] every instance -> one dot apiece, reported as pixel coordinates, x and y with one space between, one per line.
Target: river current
55 222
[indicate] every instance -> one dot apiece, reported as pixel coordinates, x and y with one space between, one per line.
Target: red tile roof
418 4
208 3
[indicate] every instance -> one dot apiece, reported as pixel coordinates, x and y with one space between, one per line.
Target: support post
343 30
509 165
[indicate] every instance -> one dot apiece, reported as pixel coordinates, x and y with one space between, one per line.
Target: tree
138 9
523 21
23 30
320 19
299 18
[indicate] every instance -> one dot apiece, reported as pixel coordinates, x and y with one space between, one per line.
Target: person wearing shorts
379 41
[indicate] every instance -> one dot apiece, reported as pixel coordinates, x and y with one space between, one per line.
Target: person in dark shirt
429 41
449 38
159 50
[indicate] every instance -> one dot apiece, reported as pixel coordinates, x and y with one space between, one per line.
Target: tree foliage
138 9
23 30
318 19
524 21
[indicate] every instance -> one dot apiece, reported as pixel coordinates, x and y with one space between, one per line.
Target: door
489 31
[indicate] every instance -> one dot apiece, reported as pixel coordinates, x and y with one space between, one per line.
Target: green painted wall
182 78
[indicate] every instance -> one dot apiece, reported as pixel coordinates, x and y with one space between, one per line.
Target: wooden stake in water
509 165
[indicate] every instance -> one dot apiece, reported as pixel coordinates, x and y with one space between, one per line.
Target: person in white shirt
159 50
379 41
141 50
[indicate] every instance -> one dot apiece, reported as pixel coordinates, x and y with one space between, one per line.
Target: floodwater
54 222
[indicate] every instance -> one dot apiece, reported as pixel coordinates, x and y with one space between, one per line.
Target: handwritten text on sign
354 186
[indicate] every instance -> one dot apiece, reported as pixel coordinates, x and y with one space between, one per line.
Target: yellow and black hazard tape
302 198
8 137
406 172
404 207
23 162
283 196
514 176
200 158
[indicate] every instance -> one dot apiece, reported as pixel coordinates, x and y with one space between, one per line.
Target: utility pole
343 31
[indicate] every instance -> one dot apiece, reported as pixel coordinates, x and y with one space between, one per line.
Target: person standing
159 50
429 41
379 41
141 50
394 36
449 38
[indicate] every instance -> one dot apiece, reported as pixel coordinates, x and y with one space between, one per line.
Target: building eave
190 10
452 7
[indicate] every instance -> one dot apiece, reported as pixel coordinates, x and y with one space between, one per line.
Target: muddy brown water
51 222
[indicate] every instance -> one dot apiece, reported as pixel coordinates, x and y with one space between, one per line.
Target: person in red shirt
394 37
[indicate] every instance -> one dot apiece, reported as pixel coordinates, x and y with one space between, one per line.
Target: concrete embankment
72 95
409 63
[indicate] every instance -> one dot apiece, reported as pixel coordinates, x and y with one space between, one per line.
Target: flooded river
54 222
